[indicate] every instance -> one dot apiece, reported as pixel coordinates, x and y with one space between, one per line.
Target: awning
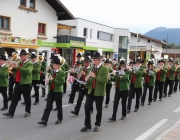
89 48
18 45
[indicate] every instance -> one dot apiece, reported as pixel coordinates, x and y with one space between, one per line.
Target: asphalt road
147 123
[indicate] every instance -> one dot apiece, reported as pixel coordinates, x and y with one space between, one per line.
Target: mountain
160 33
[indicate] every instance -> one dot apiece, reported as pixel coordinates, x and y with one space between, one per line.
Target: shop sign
9 39
76 43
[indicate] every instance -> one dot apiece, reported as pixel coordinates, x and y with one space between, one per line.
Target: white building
145 47
96 36
30 24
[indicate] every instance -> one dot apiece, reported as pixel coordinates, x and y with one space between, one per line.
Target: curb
162 135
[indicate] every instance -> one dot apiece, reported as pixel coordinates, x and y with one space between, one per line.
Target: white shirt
25 61
98 66
3 65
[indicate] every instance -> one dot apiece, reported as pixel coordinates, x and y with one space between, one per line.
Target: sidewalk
173 133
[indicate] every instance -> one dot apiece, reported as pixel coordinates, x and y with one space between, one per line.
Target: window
41 28
104 36
32 4
85 32
4 22
23 3
149 41
123 42
91 33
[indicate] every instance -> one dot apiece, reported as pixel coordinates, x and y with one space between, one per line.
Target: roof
62 12
149 38
171 51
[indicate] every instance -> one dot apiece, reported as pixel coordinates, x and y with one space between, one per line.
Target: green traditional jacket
151 78
138 80
101 80
58 81
87 72
115 66
178 73
35 71
123 82
43 67
4 76
109 80
163 74
66 68
172 71
26 73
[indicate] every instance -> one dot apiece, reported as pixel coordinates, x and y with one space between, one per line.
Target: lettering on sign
76 44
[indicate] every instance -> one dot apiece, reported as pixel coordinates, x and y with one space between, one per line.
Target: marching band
93 78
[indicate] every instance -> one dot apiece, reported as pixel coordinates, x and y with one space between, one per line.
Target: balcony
66 39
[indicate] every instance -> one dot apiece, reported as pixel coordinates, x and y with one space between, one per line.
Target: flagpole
136 45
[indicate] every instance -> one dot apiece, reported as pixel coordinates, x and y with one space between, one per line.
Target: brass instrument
40 58
158 68
177 67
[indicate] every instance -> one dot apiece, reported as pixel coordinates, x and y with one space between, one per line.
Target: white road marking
162 135
71 104
177 110
151 130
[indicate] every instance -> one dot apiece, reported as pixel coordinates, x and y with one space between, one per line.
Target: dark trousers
146 86
18 90
3 91
36 89
57 96
75 87
176 82
65 85
108 90
158 86
118 95
88 105
132 92
11 85
42 82
82 93
170 84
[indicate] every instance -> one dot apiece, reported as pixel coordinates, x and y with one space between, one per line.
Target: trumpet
10 66
158 68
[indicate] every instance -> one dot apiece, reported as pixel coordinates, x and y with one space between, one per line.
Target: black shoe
26 115
160 99
96 128
111 119
43 95
43 123
33 96
85 128
55 109
142 104
154 100
74 112
8 114
70 102
4 108
91 111
149 103
106 106
58 122
122 118
46 99
169 95
36 103
164 95
23 103
64 92
128 111
135 110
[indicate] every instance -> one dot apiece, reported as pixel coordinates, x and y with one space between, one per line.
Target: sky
143 15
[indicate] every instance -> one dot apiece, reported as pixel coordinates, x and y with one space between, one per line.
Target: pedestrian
83 89
56 81
122 86
3 81
23 84
135 85
149 78
35 76
161 71
169 78
96 91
